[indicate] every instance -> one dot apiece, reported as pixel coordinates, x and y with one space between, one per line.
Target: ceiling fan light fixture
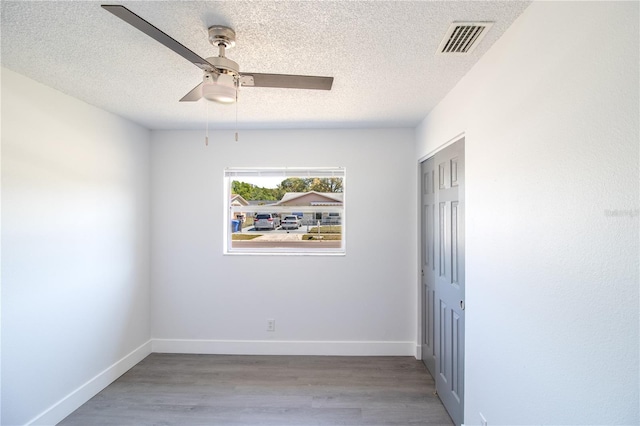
219 93
221 89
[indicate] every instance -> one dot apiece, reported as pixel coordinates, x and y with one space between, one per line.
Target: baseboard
418 353
283 347
75 399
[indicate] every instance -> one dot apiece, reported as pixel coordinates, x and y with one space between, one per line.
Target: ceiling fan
222 76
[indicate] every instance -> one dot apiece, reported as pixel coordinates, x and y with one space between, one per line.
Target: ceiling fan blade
153 32
285 81
194 94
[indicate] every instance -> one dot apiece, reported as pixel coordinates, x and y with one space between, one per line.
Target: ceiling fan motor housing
224 64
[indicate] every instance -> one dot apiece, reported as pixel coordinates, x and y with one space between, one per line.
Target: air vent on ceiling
462 37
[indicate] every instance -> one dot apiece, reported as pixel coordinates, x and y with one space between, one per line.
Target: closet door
444 282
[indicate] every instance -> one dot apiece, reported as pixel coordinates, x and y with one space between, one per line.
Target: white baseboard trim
283 347
418 353
75 399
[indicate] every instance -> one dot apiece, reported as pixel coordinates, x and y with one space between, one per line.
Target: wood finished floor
178 389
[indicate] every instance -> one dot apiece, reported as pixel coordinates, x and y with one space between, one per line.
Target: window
284 210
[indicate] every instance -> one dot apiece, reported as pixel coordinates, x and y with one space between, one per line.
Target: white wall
75 258
551 121
361 303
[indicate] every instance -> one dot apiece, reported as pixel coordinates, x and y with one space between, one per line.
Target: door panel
442 239
454 242
445 280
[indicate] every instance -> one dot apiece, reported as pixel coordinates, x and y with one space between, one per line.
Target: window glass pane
285 210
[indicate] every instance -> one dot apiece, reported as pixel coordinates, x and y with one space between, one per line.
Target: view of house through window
285 210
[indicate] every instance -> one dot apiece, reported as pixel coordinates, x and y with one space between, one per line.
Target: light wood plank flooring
178 389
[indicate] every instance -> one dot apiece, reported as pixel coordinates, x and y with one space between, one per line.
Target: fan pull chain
206 119
236 115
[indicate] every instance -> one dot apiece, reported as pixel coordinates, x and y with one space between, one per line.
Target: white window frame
237 173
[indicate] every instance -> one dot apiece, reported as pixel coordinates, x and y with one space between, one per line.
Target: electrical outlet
483 421
271 325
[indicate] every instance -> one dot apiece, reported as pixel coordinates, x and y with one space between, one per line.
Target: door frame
421 308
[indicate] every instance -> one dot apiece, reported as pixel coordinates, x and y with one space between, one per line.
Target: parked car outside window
266 221
290 222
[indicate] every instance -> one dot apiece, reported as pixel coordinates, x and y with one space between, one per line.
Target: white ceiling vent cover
462 37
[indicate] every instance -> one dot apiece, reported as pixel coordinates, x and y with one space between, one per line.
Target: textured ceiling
381 54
